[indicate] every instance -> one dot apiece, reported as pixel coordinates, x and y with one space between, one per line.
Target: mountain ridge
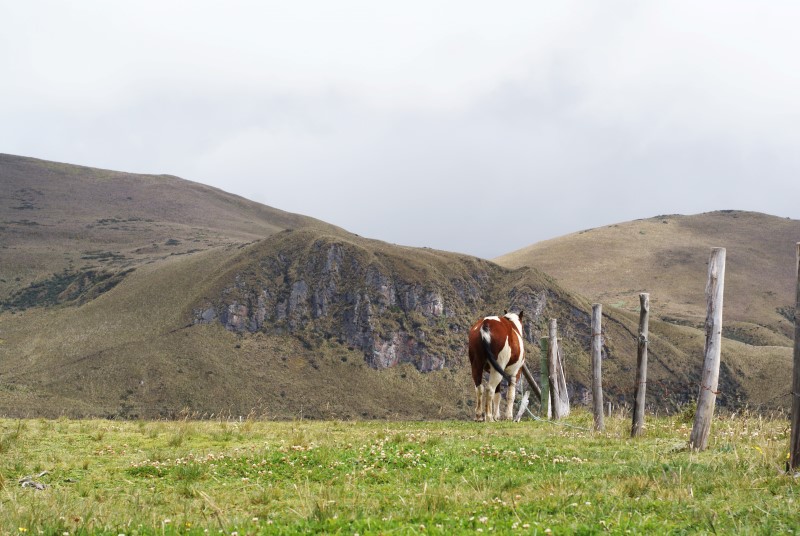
132 308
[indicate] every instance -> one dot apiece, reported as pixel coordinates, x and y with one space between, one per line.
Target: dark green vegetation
142 296
444 477
65 287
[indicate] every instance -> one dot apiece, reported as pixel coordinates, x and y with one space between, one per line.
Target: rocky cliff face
394 308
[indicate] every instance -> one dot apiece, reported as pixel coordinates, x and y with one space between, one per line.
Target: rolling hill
132 296
56 217
667 256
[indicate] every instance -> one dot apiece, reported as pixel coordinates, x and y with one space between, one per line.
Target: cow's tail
486 339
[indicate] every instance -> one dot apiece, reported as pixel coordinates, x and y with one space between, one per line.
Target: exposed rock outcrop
394 310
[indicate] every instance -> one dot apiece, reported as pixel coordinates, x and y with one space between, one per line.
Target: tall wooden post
794 447
559 398
706 399
552 377
563 395
641 365
597 365
547 407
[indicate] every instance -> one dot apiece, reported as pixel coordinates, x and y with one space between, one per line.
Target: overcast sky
478 127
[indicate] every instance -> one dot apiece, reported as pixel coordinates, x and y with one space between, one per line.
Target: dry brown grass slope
667 256
70 343
134 351
130 353
56 217
106 276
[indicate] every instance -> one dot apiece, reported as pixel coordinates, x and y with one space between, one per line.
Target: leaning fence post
641 365
547 408
706 399
532 382
794 448
597 364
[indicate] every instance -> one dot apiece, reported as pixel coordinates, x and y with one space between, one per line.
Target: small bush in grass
177 439
190 473
687 412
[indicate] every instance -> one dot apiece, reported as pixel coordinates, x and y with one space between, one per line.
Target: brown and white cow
495 345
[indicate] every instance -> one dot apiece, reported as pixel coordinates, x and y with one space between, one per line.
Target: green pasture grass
445 477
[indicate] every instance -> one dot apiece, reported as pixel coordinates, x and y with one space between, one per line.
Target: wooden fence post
641 365
597 365
551 369
794 448
547 407
563 395
559 399
532 382
706 399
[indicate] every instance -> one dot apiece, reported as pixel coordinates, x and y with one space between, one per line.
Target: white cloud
423 123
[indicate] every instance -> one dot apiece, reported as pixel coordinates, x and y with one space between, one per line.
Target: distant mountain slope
668 255
144 296
314 323
56 217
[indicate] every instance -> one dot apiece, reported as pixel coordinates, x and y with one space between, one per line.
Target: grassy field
378 477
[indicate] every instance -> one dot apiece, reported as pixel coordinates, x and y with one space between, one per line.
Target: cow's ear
521 313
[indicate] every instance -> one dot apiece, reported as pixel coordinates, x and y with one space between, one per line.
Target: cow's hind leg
496 404
511 393
479 409
488 402
491 395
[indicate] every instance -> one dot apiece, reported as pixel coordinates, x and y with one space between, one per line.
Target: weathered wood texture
597 366
559 399
552 376
794 447
532 382
707 397
547 407
563 394
641 365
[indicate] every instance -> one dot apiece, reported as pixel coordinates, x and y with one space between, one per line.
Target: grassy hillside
148 296
66 220
101 275
667 256
136 350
